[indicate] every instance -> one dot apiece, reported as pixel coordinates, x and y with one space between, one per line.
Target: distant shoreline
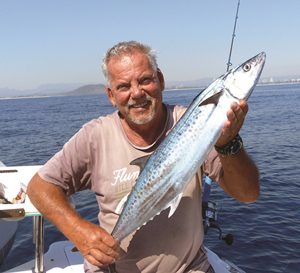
29 97
278 83
168 89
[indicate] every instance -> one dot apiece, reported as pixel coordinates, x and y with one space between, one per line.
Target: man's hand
240 174
96 245
235 119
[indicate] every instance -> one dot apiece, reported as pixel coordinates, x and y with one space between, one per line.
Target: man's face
135 88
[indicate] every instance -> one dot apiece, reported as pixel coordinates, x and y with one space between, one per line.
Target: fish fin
141 161
174 204
120 206
214 99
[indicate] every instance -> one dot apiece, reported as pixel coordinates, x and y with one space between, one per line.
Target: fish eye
247 67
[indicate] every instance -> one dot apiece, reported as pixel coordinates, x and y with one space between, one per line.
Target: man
98 157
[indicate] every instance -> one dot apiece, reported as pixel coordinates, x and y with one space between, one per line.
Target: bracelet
232 147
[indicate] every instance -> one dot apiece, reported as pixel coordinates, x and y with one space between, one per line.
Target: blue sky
63 41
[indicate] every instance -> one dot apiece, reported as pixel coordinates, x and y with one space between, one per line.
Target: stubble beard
146 116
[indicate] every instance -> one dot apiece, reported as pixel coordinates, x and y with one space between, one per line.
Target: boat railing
16 176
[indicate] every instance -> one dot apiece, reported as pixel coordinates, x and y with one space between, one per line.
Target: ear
110 96
161 79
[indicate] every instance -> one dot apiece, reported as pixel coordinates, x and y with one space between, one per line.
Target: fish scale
169 169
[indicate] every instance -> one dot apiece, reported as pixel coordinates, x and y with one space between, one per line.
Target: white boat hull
61 259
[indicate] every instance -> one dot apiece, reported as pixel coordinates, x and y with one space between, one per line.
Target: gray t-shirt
98 158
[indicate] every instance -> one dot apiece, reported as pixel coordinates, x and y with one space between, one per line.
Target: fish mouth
260 61
262 56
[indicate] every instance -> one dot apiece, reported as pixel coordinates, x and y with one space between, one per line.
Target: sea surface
266 233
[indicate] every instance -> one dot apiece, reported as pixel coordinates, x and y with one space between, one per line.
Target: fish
166 173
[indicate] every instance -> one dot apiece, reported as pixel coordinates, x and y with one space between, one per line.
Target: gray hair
129 47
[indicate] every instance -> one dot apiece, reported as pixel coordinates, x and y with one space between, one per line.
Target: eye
146 81
247 67
123 87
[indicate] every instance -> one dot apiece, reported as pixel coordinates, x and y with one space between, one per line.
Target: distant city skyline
53 42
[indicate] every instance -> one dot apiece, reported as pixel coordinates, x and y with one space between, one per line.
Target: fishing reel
209 214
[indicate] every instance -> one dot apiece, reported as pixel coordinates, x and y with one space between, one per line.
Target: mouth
139 105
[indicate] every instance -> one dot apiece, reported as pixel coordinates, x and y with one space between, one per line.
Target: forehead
128 62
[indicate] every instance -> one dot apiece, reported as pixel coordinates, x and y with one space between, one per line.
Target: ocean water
266 233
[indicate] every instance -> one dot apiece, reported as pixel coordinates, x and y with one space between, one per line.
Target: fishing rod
233 36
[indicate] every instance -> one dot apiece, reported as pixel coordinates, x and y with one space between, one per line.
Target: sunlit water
267 233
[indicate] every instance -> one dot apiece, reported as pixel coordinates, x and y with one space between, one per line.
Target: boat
62 256
7 235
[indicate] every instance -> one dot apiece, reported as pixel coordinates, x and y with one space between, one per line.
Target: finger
236 114
110 241
232 125
229 131
244 106
92 260
108 251
101 257
232 114
235 119
240 110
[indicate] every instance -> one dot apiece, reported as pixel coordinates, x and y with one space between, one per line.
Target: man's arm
241 176
94 243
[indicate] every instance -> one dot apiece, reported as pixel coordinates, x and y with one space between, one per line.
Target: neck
145 134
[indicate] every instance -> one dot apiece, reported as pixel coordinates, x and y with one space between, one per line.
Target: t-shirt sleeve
212 166
70 168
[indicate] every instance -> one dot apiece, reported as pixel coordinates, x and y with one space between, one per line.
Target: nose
137 91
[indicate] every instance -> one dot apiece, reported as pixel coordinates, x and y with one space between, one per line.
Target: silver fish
169 169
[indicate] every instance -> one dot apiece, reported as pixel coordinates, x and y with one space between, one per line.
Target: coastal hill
54 90
90 89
